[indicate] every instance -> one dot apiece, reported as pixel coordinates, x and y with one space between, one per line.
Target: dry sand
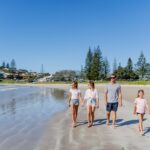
59 135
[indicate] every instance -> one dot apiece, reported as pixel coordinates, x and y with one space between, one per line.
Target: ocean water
24 114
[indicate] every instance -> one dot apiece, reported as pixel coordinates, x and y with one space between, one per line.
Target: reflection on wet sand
24 112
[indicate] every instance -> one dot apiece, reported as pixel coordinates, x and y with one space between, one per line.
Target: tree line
97 67
11 65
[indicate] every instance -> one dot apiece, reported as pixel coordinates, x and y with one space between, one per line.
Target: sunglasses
113 77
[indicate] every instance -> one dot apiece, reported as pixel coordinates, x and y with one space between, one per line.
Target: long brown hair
141 90
92 84
75 83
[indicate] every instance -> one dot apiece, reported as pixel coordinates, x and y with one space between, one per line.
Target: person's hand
97 106
120 104
82 104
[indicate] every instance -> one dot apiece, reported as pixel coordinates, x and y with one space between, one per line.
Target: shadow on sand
97 122
129 122
147 130
81 123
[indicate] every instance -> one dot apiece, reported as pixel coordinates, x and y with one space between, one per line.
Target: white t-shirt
74 93
140 105
91 94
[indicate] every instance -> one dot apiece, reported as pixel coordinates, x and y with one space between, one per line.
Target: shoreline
68 84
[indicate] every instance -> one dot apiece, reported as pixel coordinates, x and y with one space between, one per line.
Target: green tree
115 65
88 64
3 64
141 65
130 65
130 72
121 72
106 68
7 66
97 65
13 64
65 75
101 63
95 69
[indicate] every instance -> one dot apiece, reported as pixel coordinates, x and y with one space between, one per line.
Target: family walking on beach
113 99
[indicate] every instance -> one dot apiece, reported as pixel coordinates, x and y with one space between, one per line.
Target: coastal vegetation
96 67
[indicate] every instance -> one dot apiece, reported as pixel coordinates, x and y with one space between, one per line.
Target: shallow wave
7 89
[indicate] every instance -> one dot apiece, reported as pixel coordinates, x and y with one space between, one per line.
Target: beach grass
124 82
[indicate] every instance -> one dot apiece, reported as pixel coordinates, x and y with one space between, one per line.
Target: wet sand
24 114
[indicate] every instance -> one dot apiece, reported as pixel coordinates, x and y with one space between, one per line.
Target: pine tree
101 63
115 66
13 64
141 65
3 64
97 64
129 65
106 68
7 66
88 64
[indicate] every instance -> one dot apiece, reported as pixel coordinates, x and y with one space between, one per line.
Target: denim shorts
91 102
75 101
112 107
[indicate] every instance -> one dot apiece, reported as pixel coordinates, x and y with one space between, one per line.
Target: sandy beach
59 135
40 131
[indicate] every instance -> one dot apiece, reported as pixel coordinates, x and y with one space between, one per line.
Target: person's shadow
129 122
103 121
81 123
97 122
147 130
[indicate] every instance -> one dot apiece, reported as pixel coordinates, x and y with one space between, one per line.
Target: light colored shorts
91 102
75 101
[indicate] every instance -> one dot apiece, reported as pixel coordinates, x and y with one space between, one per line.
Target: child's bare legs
93 111
73 110
114 116
76 111
140 116
108 118
89 115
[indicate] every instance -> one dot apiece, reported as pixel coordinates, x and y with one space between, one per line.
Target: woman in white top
92 99
74 97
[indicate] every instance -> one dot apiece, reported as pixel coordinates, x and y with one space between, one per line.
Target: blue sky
58 33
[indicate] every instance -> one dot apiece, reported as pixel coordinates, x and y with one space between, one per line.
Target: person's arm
69 98
80 98
147 108
84 99
106 96
120 97
134 109
97 99
97 102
